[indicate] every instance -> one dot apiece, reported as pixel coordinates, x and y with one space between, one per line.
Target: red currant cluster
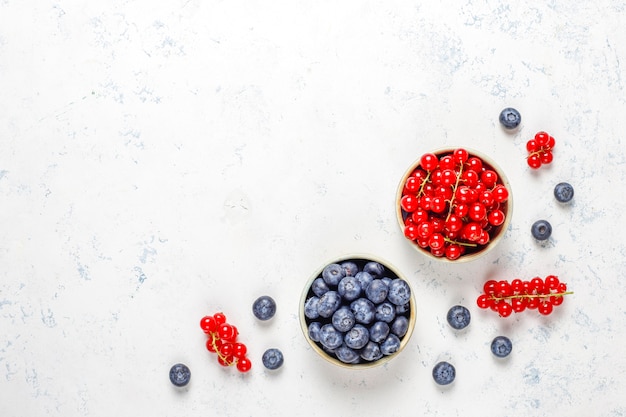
506 298
540 150
453 204
222 340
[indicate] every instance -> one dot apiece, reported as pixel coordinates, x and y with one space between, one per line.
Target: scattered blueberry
563 192
541 229
180 375
343 319
501 346
319 287
272 358
349 288
330 337
399 292
379 331
377 291
510 118
349 268
328 303
376 269
390 345
314 331
333 273
444 373
458 317
385 311
310 307
346 354
264 307
357 337
364 310
400 326
371 352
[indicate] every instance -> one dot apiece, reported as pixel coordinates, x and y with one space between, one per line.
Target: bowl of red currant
357 312
454 204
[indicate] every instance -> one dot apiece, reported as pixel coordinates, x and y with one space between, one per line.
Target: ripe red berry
244 365
429 161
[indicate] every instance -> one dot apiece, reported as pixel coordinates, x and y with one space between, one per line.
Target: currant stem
509 297
472 245
424 182
214 337
456 185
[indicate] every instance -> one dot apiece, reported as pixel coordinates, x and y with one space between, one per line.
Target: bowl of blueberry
357 312
454 204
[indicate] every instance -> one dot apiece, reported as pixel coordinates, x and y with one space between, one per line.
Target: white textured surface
160 161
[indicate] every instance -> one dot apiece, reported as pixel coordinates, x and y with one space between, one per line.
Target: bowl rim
503 228
365 365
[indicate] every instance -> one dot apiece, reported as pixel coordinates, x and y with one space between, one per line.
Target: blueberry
330 337
371 352
357 337
314 331
349 288
363 310
541 229
346 354
180 375
310 307
350 268
385 311
501 346
328 303
364 278
399 292
319 287
386 280
376 269
379 331
377 291
343 319
400 326
458 317
444 373
563 192
390 345
333 273
404 308
264 307
510 118
272 358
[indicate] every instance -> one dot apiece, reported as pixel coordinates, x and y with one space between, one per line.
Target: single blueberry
349 288
379 331
333 273
180 375
264 307
343 319
404 308
385 311
314 331
390 345
399 292
364 310
350 268
501 346
400 326
310 307
376 269
563 192
458 317
272 358
541 229
346 354
371 352
328 303
377 291
364 278
319 287
330 337
444 373
357 337
386 280
510 118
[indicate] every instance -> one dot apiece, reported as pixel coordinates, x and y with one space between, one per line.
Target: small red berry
429 161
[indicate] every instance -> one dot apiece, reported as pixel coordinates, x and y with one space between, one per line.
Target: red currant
453 251
208 324
489 178
496 217
545 308
460 155
429 161
484 301
409 203
505 309
244 365
534 161
436 241
412 185
220 318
